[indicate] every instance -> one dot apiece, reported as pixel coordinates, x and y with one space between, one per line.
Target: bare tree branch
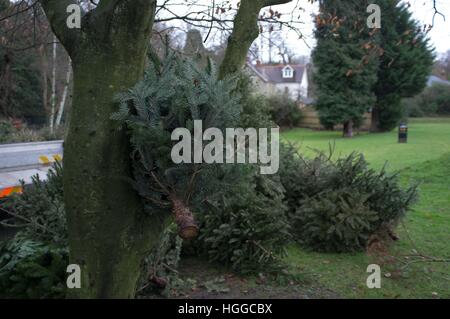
19 10
436 12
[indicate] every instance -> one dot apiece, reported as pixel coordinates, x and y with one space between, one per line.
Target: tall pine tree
346 61
405 64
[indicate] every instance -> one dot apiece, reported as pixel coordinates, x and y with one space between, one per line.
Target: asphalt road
22 160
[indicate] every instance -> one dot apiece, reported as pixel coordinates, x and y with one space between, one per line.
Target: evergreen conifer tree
346 61
405 64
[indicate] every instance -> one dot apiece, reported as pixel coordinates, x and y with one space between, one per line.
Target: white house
290 78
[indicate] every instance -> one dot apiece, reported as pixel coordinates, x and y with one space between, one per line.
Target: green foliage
246 228
285 112
259 111
32 269
162 263
256 112
255 108
20 91
301 177
368 68
413 107
242 225
9 134
173 95
6 129
405 64
337 221
39 211
433 101
24 135
33 263
338 205
345 65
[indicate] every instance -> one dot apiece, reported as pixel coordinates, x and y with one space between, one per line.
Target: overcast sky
440 34
422 11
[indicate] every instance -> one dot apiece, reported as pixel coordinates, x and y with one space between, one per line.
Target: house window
288 72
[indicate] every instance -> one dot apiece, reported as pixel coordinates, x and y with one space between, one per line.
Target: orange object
17 123
5 192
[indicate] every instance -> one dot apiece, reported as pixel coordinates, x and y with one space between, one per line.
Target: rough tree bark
43 59
108 232
348 129
375 124
245 31
53 96
5 83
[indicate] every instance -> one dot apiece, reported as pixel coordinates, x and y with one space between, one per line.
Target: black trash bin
403 133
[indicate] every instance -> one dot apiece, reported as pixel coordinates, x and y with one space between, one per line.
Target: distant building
289 78
436 80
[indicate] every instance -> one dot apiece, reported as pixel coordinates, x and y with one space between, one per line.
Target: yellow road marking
44 160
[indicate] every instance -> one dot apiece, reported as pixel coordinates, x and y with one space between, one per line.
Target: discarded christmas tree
173 94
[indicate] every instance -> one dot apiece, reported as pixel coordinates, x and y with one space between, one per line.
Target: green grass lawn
429 139
425 159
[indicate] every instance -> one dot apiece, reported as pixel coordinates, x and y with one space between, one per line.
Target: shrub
57 134
33 263
256 112
412 108
6 129
384 193
338 205
246 228
25 135
9 134
433 101
255 107
337 220
32 269
260 111
284 111
302 178
39 211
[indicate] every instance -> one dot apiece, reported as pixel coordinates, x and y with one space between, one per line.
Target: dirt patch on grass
208 281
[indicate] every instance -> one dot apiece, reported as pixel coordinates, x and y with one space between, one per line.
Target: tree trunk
53 98
245 31
109 234
44 74
6 79
64 95
348 129
375 125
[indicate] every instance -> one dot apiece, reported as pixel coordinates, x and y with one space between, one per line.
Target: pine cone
158 282
187 227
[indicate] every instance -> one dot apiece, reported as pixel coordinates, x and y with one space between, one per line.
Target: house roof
436 80
274 72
